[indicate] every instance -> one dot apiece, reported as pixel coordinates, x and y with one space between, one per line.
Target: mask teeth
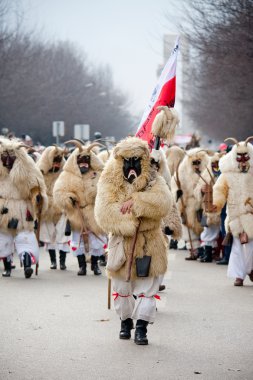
132 172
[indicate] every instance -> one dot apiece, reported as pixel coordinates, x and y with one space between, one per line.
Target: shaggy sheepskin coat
188 179
208 177
19 188
236 188
82 188
45 164
152 201
172 219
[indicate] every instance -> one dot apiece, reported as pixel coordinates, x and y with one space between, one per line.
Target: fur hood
45 161
228 162
71 164
129 147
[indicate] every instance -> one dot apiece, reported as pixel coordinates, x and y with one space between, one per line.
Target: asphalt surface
57 326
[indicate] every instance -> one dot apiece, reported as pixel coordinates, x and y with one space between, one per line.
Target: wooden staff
109 293
39 207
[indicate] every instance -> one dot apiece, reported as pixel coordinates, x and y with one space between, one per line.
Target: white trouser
24 241
209 236
53 235
190 238
241 259
144 307
96 246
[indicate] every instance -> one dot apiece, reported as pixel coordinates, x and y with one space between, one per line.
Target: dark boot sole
28 272
125 337
6 274
141 342
63 267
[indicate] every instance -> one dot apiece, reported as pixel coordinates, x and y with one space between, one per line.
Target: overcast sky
126 34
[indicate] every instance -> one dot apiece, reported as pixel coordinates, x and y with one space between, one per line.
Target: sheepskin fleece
212 218
45 163
82 187
189 179
236 189
152 201
174 156
104 155
19 187
172 219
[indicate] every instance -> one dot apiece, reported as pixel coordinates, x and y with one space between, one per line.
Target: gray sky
126 34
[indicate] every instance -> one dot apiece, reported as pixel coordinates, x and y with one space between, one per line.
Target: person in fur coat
131 202
75 191
53 221
183 184
22 197
235 186
210 221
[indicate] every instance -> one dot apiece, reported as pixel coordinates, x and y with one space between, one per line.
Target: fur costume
152 201
208 177
188 178
45 165
104 155
172 219
19 188
236 188
174 156
72 186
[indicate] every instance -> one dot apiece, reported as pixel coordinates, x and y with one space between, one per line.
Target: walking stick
109 293
40 203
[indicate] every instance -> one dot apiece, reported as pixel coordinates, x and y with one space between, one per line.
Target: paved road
57 326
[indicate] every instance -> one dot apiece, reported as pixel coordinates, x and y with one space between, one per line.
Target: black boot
27 262
7 267
207 258
200 252
94 265
62 260
140 337
82 265
102 260
126 327
173 244
52 255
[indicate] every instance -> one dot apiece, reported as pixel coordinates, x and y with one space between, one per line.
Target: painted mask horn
232 139
77 143
248 139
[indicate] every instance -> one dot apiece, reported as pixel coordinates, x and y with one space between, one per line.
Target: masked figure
52 231
131 202
235 186
22 198
210 221
75 191
183 184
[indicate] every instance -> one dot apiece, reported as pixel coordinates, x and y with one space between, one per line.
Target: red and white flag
164 94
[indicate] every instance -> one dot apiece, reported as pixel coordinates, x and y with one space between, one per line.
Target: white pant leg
6 244
77 244
48 233
123 298
209 236
61 238
96 245
194 238
145 307
25 241
241 259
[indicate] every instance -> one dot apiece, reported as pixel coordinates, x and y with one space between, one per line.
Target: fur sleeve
108 215
220 192
155 202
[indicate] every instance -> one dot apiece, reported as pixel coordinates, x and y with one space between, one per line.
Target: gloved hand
73 201
4 210
168 231
179 194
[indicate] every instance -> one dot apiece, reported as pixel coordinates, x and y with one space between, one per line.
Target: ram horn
232 139
78 144
248 139
91 146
